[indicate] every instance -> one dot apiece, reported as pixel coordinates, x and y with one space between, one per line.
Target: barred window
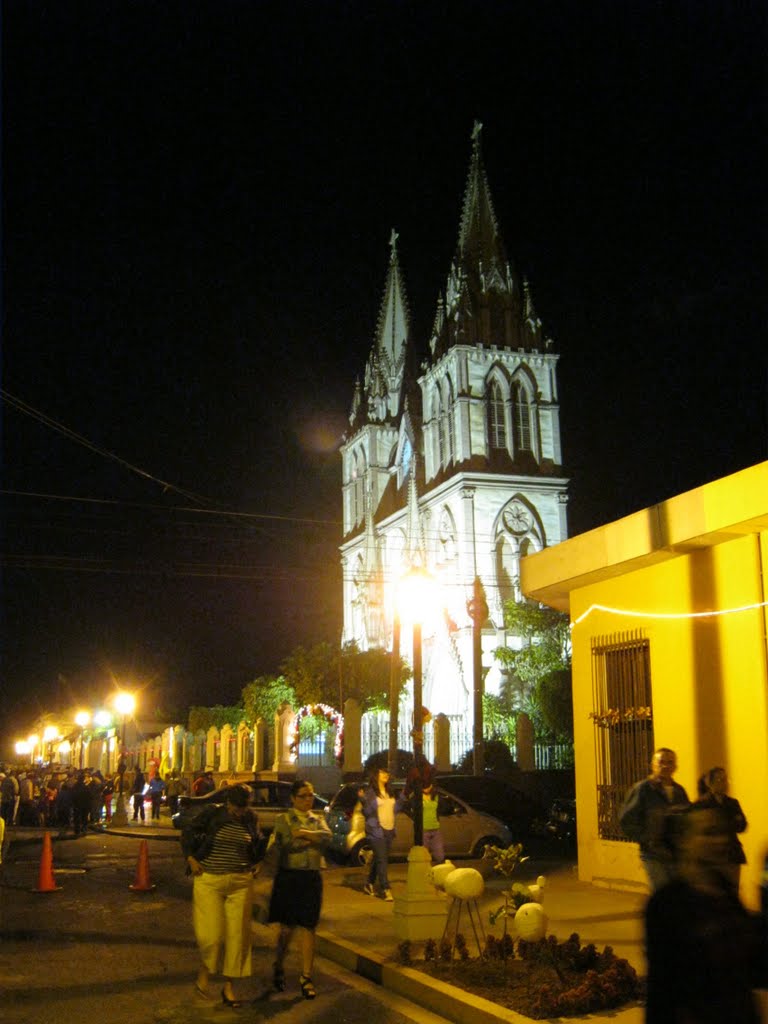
623 717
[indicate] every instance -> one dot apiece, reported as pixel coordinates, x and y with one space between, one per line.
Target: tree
330 675
263 697
219 716
540 670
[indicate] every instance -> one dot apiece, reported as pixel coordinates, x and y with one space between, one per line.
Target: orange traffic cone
142 883
45 880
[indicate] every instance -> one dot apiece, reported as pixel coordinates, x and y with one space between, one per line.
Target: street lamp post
421 912
82 718
124 704
478 612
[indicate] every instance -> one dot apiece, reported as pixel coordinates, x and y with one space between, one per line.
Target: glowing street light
416 598
82 718
50 733
125 703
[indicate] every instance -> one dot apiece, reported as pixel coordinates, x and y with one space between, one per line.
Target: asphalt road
94 950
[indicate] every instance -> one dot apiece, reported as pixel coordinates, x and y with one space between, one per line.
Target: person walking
296 855
713 792
174 787
222 847
107 792
643 815
702 945
379 807
156 790
9 791
81 804
433 837
137 792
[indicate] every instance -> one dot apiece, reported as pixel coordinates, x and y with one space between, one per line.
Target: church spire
480 244
386 365
483 301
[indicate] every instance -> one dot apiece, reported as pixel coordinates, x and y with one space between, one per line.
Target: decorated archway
333 717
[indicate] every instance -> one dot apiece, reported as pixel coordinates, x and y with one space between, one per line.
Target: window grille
496 425
521 419
622 703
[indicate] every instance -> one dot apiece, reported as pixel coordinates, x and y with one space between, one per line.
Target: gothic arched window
497 427
446 428
439 413
521 418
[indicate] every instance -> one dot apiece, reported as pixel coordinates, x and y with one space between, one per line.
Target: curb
446 1000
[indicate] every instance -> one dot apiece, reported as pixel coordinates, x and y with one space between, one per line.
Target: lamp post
421 912
50 734
82 718
477 607
125 704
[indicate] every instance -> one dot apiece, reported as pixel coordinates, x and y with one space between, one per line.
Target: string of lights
632 613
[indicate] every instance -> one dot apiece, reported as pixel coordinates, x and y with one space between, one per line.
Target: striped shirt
230 850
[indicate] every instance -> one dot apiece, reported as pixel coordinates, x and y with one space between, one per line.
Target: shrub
381 759
498 758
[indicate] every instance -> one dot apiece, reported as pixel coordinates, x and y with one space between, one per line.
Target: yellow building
670 648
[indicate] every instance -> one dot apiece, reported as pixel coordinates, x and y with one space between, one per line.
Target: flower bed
540 979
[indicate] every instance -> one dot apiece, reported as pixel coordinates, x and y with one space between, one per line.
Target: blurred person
9 792
379 806
713 792
81 804
95 788
643 815
222 847
107 792
174 787
296 853
156 790
137 792
702 946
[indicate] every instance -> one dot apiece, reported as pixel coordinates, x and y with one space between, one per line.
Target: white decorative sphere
440 872
465 884
531 922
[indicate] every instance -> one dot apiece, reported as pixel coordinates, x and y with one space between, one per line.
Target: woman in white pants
222 847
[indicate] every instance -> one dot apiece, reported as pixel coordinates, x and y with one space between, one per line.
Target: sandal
278 978
307 988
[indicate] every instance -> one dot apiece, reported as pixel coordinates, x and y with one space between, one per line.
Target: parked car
466 832
270 798
495 796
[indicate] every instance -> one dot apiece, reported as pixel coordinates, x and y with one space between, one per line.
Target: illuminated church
452 460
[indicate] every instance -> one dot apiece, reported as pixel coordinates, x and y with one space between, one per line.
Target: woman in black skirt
297 845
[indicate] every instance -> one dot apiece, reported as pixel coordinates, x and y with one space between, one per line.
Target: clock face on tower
517 518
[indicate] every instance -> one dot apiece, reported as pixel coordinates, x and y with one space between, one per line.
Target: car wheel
482 844
361 854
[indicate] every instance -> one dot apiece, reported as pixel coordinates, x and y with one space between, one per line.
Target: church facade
452 461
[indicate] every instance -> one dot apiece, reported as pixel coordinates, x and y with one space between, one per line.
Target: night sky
197 200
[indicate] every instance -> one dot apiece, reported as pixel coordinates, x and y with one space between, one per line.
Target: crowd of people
76 799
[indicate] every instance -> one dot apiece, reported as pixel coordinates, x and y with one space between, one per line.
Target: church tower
468 445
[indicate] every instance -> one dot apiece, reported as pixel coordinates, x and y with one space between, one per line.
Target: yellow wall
709 683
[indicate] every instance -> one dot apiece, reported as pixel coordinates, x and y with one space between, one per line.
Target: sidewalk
357 931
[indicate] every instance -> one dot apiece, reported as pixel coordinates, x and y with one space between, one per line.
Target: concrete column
285 759
210 749
243 737
187 751
260 731
442 732
524 740
226 737
352 751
